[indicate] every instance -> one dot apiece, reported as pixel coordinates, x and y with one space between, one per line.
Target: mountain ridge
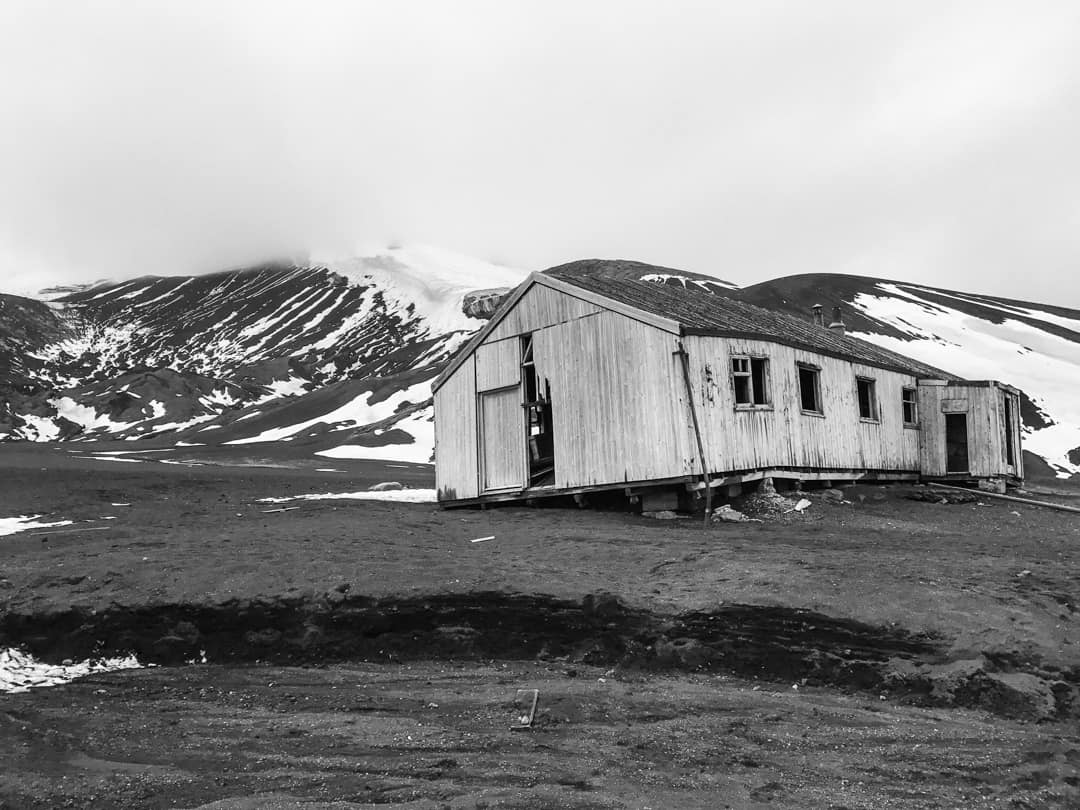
336 354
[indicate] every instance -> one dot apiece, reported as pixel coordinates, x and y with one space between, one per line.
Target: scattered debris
801 506
1024 573
525 708
482 539
283 509
767 504
729 515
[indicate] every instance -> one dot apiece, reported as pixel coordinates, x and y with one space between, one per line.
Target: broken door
502 440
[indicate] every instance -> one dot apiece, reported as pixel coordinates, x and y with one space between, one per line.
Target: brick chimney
837 324
817 317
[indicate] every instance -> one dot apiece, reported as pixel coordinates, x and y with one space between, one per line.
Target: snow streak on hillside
1044 364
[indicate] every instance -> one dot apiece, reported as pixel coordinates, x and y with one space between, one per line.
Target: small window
748 375
867 389
810 388
911 406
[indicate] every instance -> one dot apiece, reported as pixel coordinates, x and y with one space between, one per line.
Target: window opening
910 400
810 388
539 433
867 398
750 379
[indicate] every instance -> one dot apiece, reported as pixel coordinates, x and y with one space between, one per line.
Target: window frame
800 367
872 399
748 375
914 402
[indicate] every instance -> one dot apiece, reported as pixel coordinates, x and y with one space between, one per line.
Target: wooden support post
697 431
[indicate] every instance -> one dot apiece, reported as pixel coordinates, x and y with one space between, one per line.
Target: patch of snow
88 418
20 672
418 425
14 525
287 388
38 428
116 458
355 412
400 495
189 444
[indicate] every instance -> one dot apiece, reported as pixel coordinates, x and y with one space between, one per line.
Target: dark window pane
757 368
808 389
742 390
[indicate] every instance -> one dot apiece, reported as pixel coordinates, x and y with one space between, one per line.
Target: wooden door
502 440
956 443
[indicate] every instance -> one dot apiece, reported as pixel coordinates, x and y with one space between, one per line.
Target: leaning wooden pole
697 431
1059 506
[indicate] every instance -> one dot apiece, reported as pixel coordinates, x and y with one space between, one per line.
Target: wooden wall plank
456 463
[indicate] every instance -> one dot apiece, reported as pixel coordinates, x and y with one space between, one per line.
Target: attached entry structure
582 383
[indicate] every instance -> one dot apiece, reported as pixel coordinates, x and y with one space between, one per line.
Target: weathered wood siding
540 307
618 401
457 473
984 405
780 434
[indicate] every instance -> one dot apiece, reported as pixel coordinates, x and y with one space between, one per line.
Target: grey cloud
931 142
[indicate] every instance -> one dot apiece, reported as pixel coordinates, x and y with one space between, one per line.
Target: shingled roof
702 313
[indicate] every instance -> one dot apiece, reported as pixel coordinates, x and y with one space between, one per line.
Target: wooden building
582 383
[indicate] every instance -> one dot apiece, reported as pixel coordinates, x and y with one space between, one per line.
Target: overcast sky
932 142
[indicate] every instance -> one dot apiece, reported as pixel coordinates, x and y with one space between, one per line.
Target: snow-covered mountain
336 351
337 355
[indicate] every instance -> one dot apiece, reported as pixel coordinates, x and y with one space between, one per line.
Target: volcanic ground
871 651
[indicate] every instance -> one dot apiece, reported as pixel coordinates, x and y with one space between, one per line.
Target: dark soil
878 653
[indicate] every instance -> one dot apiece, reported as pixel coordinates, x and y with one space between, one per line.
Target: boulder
384 486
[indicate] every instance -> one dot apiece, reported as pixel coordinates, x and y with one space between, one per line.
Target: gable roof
684 311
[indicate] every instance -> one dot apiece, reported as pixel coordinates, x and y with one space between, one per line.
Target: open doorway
539 430
1010 449
956 443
